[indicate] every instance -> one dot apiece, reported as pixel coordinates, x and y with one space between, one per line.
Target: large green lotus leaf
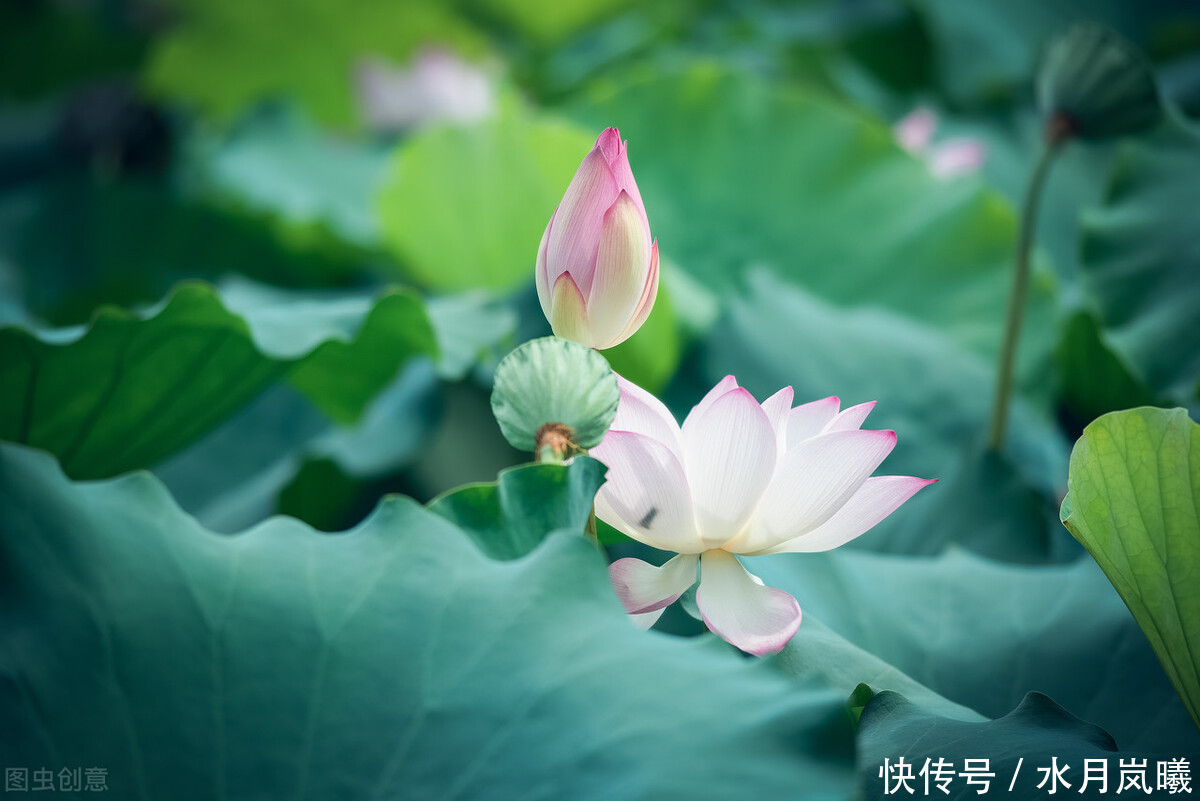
312 185
130 390
981 634
820 194
233 477
1134 503
819 653
132 239
473 328
1141 262
392 661
1018 747
934 394
466 329
223 56
465 207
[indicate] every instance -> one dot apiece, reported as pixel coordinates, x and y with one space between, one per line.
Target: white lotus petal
850 419
759 620
814 480
808 420
642 587
877 498
729 450
647 620
646 495
642 413
778 408
725 385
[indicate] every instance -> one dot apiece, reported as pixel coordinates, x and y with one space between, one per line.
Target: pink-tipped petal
622 270
642 413
778 408
642 587
759 620
814 480
575 237
729 451
568 311
624 175
850 419
609 144
646 495
877 498
810 419
541 271
725 385
646 303
646 620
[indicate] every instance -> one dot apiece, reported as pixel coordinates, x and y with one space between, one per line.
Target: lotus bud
597 265
1094 85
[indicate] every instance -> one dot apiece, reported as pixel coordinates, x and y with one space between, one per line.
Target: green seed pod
553 380
1092 84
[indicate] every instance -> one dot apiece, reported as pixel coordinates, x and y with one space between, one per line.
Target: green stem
552 443
590 529
1020 288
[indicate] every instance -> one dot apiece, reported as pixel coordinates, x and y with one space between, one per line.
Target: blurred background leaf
223 56
466 207
131 390
816 192
1060 629
930 390
1141 262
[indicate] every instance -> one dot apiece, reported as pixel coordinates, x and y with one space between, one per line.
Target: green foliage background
226 295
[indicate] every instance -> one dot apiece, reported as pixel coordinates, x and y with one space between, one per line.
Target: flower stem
554 443
590 530
1057 133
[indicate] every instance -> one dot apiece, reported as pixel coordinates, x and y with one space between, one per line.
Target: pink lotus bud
597 265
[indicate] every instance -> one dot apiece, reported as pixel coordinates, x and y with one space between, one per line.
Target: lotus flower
948 159
436 86
739 478
597 265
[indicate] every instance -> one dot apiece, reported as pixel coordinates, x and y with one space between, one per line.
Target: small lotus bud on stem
1097 84
555 442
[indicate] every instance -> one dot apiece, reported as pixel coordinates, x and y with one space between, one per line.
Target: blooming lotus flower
597 265
739 478
436 86
948 159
